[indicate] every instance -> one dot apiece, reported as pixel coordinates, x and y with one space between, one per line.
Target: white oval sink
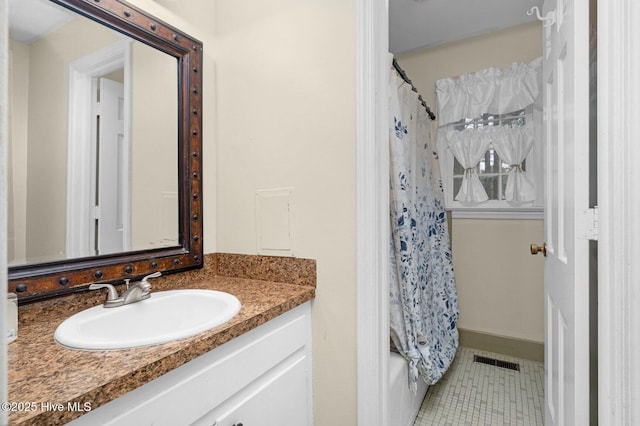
164 317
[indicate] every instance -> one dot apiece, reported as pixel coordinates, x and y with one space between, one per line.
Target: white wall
154 154
279 97
286 118
500 285
17 150
505 299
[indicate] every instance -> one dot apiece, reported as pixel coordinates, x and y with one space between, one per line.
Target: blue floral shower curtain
423 297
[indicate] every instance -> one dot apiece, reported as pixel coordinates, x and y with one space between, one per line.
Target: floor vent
496 362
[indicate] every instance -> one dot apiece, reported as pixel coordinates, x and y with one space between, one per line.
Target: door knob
535 249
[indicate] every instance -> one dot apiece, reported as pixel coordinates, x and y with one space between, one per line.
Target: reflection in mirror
93 125
106 147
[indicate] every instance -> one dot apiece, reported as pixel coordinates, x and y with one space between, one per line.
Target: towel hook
548 20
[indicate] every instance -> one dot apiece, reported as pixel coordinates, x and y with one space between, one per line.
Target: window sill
502 214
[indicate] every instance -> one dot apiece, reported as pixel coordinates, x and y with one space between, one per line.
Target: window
492 170
491 163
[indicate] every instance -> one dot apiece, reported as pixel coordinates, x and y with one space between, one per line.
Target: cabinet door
280 398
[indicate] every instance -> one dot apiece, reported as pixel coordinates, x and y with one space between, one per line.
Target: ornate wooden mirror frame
44 280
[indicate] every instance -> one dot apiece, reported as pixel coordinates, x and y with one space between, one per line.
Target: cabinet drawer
186 394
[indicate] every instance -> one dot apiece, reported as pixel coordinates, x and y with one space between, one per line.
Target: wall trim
506 214
512 346
372 212
619 203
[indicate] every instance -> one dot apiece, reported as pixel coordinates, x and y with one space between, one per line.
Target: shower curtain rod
432 116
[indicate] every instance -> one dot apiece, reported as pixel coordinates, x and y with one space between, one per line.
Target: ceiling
416 24
413 24
31 19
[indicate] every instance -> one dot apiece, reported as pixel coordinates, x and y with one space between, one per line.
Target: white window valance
492 90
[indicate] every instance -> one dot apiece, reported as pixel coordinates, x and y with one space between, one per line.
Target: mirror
105 142
82 180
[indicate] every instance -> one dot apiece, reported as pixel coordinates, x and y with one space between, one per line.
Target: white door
566 92
111 168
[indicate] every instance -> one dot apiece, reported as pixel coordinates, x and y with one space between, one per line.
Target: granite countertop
45 378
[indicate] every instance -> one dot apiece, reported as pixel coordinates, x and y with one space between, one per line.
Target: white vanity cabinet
262 378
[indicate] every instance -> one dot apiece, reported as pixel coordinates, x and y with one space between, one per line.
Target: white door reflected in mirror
112 184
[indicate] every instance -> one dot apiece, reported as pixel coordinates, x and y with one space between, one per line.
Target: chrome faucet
134 293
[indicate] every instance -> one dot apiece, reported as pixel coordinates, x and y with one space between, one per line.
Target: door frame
618 268
80 179
372 211
4 142
619 204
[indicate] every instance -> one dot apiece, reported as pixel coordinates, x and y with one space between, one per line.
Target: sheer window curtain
491 91
513 144
468 146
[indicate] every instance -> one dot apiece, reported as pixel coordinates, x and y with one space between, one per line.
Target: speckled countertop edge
41 371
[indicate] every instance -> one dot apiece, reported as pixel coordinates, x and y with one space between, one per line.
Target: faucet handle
154 275
113 293
144 283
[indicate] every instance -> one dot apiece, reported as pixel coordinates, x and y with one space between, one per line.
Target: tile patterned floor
478 394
